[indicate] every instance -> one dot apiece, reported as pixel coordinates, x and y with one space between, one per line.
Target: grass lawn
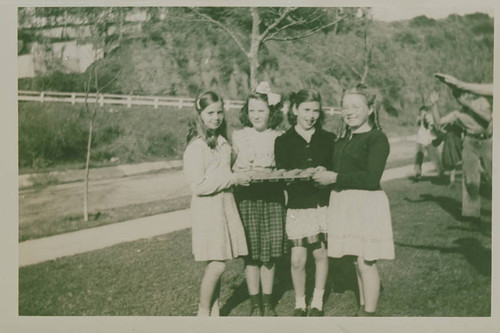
442 268
53 136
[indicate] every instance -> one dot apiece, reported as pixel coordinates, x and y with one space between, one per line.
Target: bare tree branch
314 31
346 62
285 13
367 64
223 27
110 81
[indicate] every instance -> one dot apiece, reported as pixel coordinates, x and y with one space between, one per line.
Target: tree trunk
87 170
253 55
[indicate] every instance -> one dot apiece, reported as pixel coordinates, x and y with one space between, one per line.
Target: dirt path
67 199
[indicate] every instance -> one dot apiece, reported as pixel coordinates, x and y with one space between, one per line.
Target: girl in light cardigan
217 231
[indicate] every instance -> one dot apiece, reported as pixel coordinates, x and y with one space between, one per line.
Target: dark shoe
268 311
255 311
255 306
299 312
315 312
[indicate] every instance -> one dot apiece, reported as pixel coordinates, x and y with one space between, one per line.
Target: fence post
42 96
129 101
181 103
101 100
156 102
227 105
73 98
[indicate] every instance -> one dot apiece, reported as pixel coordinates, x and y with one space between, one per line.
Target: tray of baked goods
267 175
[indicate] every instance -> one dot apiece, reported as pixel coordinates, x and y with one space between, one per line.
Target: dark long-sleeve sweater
360 161
291 151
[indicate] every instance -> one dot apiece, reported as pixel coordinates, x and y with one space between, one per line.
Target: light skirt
359 224
217 231
304 223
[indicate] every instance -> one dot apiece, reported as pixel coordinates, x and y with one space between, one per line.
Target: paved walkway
49 248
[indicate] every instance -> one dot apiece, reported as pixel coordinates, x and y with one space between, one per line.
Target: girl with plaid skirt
261 205
306 146
359 218
217 232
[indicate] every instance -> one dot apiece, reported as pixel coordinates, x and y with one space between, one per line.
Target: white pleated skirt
359 224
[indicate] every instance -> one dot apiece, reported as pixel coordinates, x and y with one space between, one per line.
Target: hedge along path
49 248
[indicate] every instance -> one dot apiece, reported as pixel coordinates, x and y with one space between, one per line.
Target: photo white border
11 322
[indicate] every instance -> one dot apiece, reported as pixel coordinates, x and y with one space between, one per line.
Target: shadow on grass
476 255
341 278
452 206
436 180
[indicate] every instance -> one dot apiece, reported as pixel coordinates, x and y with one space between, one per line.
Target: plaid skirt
264 224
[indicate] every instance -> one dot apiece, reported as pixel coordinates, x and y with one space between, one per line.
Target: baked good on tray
276 175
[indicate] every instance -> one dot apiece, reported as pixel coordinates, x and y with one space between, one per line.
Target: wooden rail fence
128 100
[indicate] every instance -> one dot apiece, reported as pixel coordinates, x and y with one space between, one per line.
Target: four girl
261 205
345 219
217 232
359 218
306 146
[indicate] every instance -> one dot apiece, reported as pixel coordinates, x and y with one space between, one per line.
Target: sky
403 13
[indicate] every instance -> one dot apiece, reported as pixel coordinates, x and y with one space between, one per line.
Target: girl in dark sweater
306 146
359 219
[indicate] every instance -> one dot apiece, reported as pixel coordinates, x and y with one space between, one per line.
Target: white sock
300 302
317 301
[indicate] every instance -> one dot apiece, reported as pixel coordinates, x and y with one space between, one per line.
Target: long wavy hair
275 114
370 99
302 96
197 127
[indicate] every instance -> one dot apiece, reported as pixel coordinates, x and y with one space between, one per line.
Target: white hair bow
265 89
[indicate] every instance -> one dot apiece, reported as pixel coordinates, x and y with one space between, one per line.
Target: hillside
182 56
179 55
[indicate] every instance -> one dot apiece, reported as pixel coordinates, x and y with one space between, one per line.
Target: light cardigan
217 231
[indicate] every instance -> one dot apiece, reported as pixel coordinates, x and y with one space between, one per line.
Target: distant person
425 139
306 146
451 156
217 231
261 205
359 217
475 117
451 137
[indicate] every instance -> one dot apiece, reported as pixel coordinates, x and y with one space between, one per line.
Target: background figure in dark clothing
425 137
451 155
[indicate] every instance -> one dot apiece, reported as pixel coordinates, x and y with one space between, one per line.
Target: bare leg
360 287
371 283
267 279
321 262
299 257
215 301
253 280
213 272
